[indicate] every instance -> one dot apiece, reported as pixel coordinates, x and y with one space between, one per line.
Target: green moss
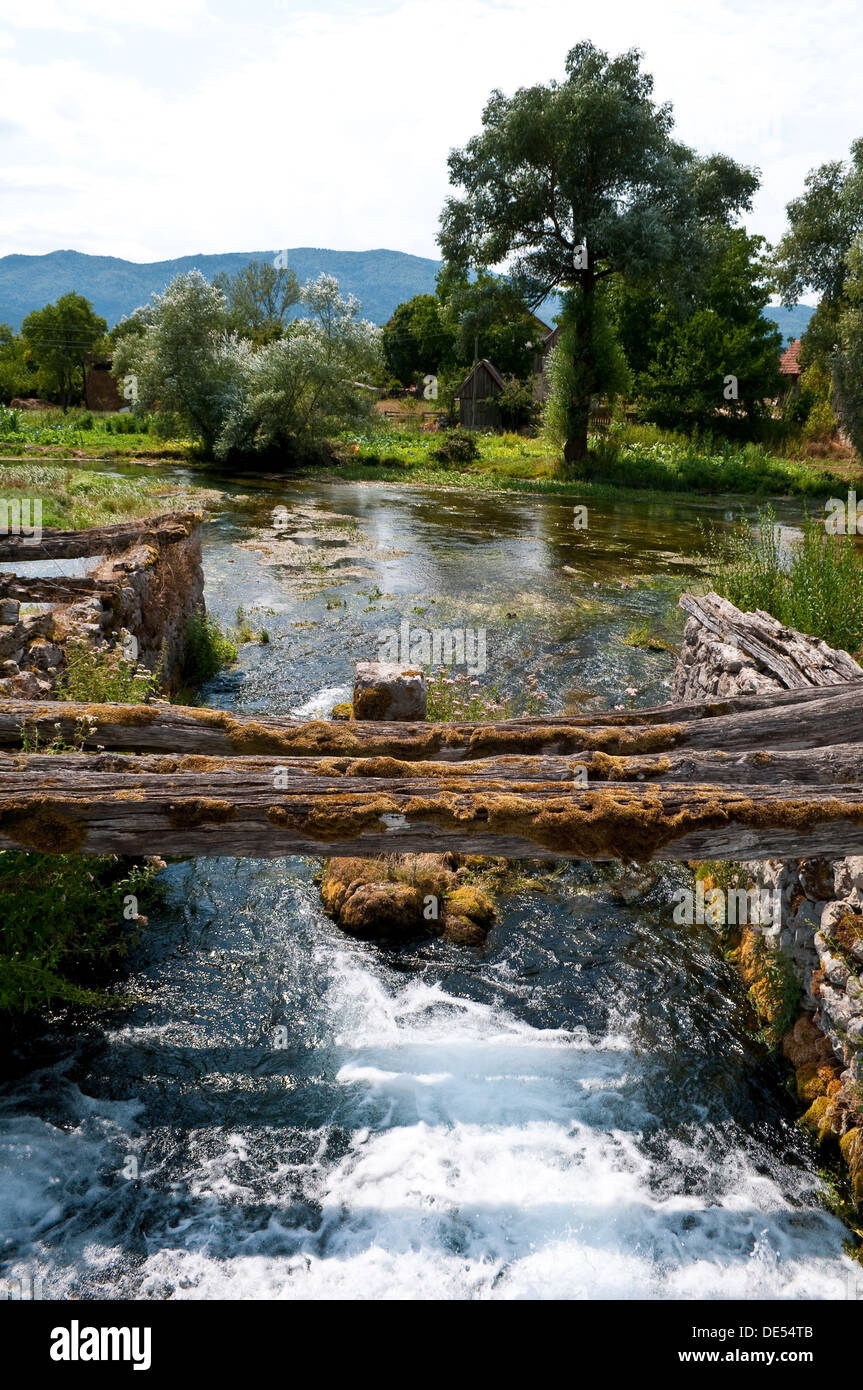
201 810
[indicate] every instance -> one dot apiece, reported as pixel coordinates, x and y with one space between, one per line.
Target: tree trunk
578 331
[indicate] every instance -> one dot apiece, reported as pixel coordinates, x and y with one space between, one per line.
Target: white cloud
88 15
278 126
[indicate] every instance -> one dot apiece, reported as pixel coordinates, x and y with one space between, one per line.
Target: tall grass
74 497
813 583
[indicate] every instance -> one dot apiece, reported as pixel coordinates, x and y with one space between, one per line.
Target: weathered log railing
56 544
779 775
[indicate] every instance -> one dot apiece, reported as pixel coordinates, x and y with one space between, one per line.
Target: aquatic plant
207 650
813 583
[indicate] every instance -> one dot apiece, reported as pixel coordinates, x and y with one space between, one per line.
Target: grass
814 584
63 933
208 650
104 676
626 456
636 456
74 497
118 435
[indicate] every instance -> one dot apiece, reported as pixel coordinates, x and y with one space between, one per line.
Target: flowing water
578 1110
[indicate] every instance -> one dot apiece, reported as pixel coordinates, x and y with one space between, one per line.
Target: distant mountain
379 279
792 322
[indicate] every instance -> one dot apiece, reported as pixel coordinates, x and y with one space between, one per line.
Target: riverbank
622 460
74 496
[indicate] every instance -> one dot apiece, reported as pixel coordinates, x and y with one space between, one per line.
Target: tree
579 180
489 318
58 339
185 361
237 398
258 299
847 360
417 340
16 377
310 382
813 253
723 353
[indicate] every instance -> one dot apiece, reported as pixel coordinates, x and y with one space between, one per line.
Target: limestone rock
385 690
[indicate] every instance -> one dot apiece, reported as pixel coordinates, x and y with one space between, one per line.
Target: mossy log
57 544
241 806
825 718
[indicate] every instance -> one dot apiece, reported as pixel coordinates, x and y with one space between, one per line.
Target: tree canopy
721 351
824 223
236 397
572 182
57 340
259 298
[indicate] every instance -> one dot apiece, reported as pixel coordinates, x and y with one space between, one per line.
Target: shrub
104 676
207 651
62 927
456 447
814 584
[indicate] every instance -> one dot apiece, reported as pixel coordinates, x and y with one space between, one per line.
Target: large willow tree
572 182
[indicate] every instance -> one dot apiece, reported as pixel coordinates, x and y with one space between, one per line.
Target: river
579 1110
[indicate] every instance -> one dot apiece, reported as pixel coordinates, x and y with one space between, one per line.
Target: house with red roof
789 366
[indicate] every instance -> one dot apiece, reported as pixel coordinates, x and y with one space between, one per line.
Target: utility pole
473 388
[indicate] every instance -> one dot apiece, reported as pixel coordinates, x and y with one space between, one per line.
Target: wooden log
235 809
808 718
57 544
839 765
789 656
55 589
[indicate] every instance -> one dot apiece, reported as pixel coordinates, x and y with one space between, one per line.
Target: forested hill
379 279
793 321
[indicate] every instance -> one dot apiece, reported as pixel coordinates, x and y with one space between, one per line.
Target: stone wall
726 653
148 591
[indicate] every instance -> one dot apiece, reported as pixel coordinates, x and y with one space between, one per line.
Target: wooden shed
540 364
101 391
475 396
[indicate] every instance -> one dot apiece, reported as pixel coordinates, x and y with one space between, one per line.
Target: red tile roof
789 365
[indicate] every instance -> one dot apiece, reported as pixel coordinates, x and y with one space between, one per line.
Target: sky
171 127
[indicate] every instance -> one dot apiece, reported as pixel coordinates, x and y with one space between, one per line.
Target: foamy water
464 1153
